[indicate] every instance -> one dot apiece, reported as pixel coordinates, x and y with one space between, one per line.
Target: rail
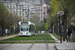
46 42
33 43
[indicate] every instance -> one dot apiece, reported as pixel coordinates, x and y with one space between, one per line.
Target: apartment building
26 8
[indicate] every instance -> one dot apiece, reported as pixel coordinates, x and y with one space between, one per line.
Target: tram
26 28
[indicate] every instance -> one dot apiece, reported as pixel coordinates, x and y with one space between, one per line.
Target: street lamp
16 15
23 11
2 21
44 14
41 12
11 14
20 11
28 13
60 13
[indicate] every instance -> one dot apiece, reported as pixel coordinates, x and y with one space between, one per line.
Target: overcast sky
27 1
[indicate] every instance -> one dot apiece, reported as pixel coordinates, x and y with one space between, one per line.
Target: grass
49 37
15 38
57 36
23 38
42 37
52 42
32 38
6 42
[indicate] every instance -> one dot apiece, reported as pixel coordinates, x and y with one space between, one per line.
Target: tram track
46 42
11 44
19 41
33 42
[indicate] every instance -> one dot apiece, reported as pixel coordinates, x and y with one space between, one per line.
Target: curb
55 47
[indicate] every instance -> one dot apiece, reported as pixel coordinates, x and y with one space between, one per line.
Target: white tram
26 28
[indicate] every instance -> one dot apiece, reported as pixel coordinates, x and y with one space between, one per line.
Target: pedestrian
69 33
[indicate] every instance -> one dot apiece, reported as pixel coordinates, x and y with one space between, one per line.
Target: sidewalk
64 45
54 38
5 37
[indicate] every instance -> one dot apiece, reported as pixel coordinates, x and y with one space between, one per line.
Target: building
22 9
42 11
27 8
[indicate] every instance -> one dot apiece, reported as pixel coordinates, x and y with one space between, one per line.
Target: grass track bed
23 38
42 37
15 38
49 37
30 39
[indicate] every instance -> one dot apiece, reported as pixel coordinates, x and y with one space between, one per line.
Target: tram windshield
24 27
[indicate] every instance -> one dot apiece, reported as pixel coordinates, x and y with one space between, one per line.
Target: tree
63 5
52 14
39 26
4 15
5 18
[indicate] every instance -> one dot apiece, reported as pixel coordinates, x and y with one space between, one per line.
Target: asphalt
38 46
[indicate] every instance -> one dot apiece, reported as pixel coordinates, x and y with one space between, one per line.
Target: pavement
38 46
6 37
64 45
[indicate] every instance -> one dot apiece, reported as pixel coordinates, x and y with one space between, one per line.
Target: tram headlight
26 32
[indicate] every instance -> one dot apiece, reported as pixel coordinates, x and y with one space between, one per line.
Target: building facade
42 12
26 9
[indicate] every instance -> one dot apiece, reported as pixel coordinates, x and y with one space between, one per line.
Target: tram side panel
32 29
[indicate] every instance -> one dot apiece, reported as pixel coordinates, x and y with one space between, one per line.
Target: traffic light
60 17
64 17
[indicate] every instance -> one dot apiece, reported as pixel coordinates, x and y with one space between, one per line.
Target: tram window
24 29
31 28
